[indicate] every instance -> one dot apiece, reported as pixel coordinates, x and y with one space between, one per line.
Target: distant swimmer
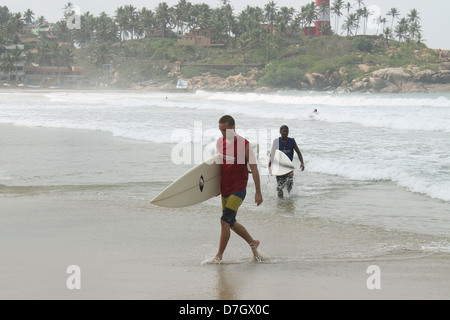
286 145
315 111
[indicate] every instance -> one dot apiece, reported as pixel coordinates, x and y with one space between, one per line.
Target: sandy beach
129 249
101 239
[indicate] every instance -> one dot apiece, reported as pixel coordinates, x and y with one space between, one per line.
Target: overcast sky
433 13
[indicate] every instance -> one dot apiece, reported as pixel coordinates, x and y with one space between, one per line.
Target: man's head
227 126
284 131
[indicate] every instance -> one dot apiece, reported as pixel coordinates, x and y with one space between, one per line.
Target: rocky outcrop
389 80
393 80
239 83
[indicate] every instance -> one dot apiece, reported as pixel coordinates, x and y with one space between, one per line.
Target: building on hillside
46 28
322 26
49 76
198 37
157 33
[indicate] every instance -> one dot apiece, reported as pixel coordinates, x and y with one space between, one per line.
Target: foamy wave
437 247
358 171
4 177
117 130
324 99
381 111
398 112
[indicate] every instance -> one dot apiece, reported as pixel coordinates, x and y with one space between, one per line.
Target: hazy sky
433 13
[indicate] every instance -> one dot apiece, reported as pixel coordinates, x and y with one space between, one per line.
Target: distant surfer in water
236 154
287 146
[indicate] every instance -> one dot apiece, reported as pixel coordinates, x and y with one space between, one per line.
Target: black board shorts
230 206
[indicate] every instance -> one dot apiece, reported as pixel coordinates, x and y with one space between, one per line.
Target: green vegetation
142 44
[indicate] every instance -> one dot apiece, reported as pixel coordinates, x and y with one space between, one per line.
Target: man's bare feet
254 247
217 260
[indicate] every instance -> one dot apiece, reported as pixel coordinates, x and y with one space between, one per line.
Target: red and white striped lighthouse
322 25
323 21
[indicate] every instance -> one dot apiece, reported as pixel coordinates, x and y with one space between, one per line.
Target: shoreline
433 88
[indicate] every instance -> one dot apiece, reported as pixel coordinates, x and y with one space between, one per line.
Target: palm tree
146 20
102 55
250 18
66 8
227 12
130 13
162 17
28 16
122 20
278 42
413 16
414 30
41 20
402 29
67 57
284 18
310 14
62 31
106 31
244 43
359 14
336 10
14 25
85 35
348 6
350 23
49 53
366 14
7 64
360 2
270 14
4 15
394 13
179 16
380 20
2 44
413 19
387 32
204 16
420 38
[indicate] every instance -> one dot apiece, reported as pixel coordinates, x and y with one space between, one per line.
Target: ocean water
360 151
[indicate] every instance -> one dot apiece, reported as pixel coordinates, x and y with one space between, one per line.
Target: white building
18 72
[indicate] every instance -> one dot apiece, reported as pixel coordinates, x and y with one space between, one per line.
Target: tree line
267 26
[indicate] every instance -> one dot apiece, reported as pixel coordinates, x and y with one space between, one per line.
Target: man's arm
250 156
300 157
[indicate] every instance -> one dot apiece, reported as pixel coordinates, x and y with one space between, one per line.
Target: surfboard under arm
195 186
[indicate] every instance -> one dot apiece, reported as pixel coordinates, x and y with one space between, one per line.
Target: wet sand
124 253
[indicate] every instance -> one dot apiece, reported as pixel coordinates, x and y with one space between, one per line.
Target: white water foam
399 138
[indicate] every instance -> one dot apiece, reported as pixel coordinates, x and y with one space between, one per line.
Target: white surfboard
281 164
195 186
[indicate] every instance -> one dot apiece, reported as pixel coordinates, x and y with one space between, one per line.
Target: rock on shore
401 80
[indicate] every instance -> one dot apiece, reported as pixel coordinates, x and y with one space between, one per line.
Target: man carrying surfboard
236 154
287 146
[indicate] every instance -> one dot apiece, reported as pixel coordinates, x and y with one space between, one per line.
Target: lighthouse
322 25
323 22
